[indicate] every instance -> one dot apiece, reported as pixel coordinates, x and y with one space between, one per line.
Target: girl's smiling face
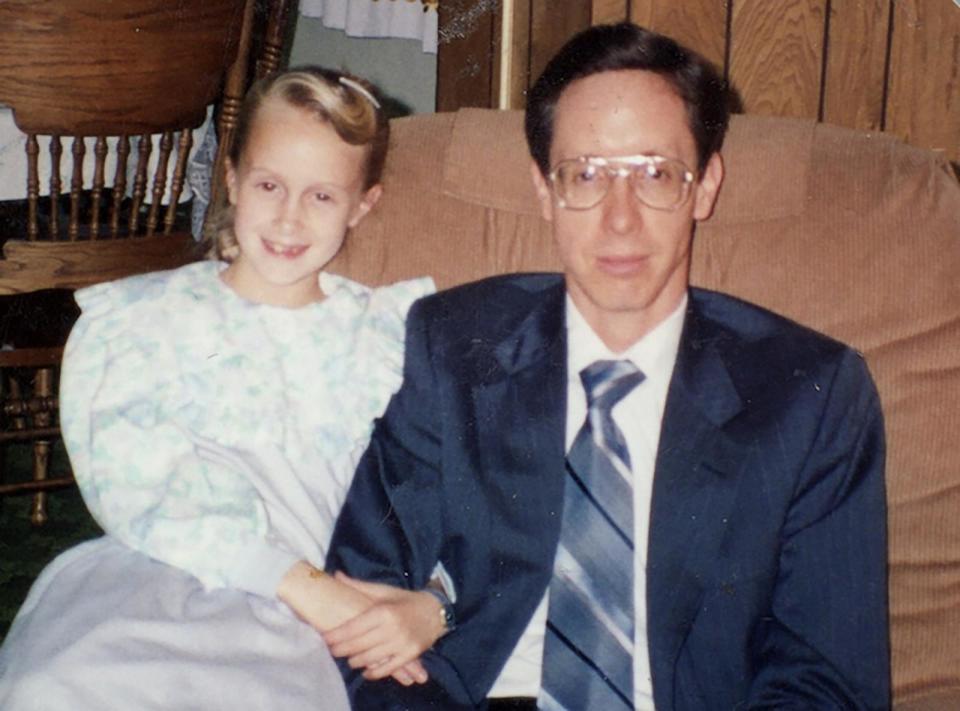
296 190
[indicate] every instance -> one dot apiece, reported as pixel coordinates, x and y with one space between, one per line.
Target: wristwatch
447 618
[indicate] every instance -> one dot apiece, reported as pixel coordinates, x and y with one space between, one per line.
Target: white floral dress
214 440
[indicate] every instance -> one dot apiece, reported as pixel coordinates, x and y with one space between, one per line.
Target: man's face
626 264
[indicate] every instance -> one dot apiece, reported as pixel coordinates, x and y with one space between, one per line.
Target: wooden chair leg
9 390
43 388
4 393
15 392
41 468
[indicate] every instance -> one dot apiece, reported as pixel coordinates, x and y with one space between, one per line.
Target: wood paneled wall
877 65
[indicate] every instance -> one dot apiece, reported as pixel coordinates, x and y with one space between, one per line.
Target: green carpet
25 549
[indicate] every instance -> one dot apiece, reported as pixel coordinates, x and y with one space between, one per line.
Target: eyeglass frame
614 171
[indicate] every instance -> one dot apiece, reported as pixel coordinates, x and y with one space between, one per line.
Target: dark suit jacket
766 580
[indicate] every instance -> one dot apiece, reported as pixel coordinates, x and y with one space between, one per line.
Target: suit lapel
693 492
520 411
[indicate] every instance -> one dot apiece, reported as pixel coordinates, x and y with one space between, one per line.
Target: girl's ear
366 204
231 178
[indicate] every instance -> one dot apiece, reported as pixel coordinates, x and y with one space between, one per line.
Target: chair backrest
105 76
857 235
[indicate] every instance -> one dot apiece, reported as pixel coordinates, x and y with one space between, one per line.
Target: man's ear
366 204
707 188
231 180
543 191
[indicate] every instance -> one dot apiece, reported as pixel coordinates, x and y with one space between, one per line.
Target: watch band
447 616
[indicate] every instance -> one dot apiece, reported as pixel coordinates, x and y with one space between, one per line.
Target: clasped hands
379 628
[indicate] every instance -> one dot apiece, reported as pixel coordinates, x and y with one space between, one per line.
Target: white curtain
406 19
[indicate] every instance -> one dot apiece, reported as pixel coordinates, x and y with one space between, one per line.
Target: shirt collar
654 354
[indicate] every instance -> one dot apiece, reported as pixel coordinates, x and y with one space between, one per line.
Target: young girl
213 416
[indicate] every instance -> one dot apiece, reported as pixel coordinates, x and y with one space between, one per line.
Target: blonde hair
342 100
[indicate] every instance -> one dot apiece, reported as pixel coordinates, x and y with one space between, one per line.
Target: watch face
446 608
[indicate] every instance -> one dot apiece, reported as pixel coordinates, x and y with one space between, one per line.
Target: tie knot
606 382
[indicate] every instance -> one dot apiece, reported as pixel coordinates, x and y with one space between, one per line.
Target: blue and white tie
588 650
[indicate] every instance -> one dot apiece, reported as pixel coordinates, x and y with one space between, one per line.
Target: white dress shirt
639 416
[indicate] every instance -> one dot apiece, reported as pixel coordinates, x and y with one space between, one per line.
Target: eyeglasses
657 182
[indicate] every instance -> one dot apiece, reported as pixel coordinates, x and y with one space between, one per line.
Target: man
641 494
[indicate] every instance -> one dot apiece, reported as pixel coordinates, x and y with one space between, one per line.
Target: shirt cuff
262 568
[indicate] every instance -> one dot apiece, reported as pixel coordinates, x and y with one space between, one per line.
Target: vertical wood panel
776 55
643 12
465 54
856 64
608 11
923 101
551 25
700 25
517 74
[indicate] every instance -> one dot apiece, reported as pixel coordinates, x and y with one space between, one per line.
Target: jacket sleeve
391 527
826 644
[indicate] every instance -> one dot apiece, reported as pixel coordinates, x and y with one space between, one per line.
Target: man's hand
388 638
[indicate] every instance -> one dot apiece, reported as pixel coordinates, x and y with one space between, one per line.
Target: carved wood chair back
109 96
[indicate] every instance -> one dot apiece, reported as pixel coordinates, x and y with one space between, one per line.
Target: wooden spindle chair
111 75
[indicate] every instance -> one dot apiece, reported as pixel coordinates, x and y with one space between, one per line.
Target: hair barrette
360 89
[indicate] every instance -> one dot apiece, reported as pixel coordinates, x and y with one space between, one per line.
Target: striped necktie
588 650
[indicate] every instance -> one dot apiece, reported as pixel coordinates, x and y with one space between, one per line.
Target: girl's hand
319 599
388 638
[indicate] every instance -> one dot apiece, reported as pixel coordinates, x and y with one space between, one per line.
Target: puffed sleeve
378 354
147 479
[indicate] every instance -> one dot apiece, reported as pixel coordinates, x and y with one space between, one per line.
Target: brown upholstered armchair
856 235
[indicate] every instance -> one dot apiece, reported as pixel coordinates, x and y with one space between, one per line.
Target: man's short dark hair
604 48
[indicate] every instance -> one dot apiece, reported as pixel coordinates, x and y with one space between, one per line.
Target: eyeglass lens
660 184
